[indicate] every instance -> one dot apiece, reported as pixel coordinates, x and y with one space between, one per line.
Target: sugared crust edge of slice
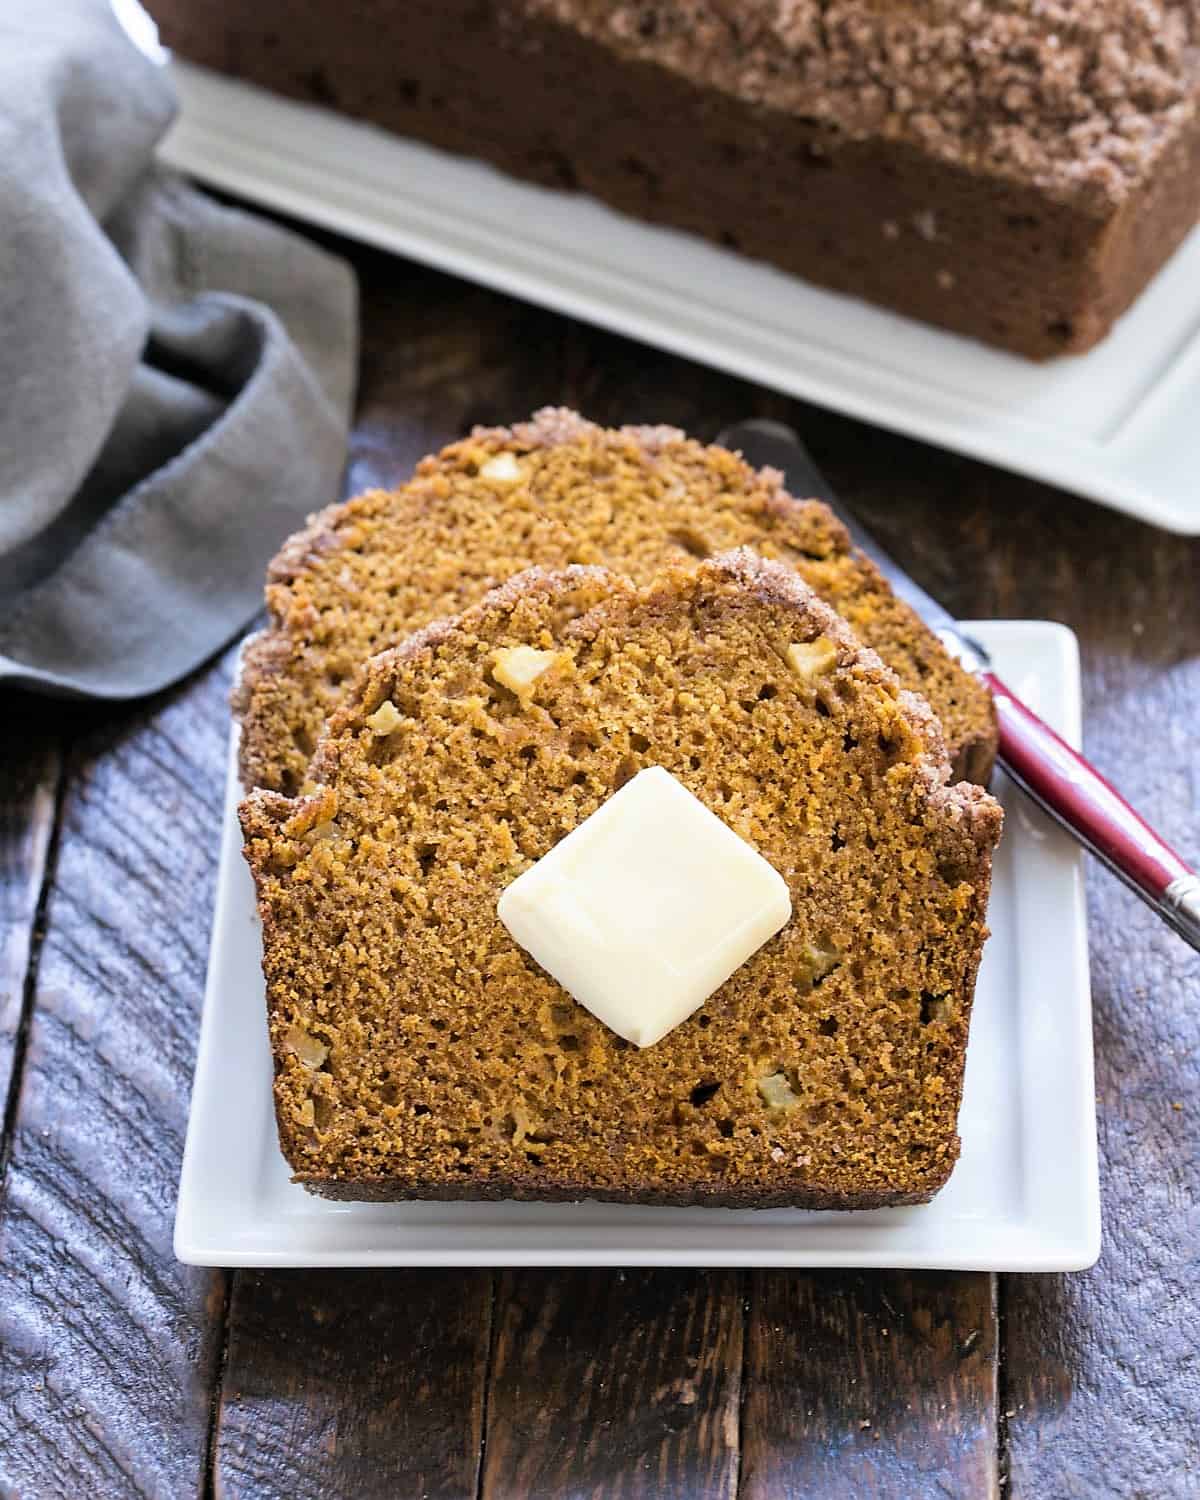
269 657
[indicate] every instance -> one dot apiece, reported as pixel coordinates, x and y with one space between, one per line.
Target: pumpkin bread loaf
550 492
419 1052
1014 170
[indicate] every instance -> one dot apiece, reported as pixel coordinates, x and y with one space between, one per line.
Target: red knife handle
1077 795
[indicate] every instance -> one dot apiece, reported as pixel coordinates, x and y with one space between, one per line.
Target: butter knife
1058 778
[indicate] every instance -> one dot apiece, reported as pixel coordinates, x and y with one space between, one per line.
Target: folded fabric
175 375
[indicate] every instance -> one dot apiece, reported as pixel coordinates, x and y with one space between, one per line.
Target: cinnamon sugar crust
550 492
1075 99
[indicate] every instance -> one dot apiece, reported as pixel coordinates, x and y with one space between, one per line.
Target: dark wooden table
123 1373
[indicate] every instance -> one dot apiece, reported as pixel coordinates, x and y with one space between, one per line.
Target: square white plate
1116 424
1024 1195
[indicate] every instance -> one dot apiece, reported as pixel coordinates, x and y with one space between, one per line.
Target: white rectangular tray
1024 1195
1117 424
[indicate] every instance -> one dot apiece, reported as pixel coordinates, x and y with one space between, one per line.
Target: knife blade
1055 775
770 444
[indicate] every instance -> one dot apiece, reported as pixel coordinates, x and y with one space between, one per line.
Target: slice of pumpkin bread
553 491
419 1052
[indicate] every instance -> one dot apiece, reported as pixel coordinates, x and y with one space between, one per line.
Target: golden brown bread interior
419 1052
550 492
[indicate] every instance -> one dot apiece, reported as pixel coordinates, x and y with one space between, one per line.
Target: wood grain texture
881 1384
1101 1375
29 782
1103 1369
438 357
603 1383
615 1385
394 1409
354 1384
932 1376
107 1346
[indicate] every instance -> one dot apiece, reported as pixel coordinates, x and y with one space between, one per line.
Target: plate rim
198 1242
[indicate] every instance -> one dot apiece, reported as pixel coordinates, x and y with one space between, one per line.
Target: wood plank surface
1100 1385
370 1383
108 1347
354 1383
621 1384
940 1350
438 357
30 765
875 1384
1103 1369
697 1384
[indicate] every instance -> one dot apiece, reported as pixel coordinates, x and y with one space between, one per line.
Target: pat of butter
646 908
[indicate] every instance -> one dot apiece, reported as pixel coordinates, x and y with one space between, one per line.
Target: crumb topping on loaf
420 1052
550 492
1076 98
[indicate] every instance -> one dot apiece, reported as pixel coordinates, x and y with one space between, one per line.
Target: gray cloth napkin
175 376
